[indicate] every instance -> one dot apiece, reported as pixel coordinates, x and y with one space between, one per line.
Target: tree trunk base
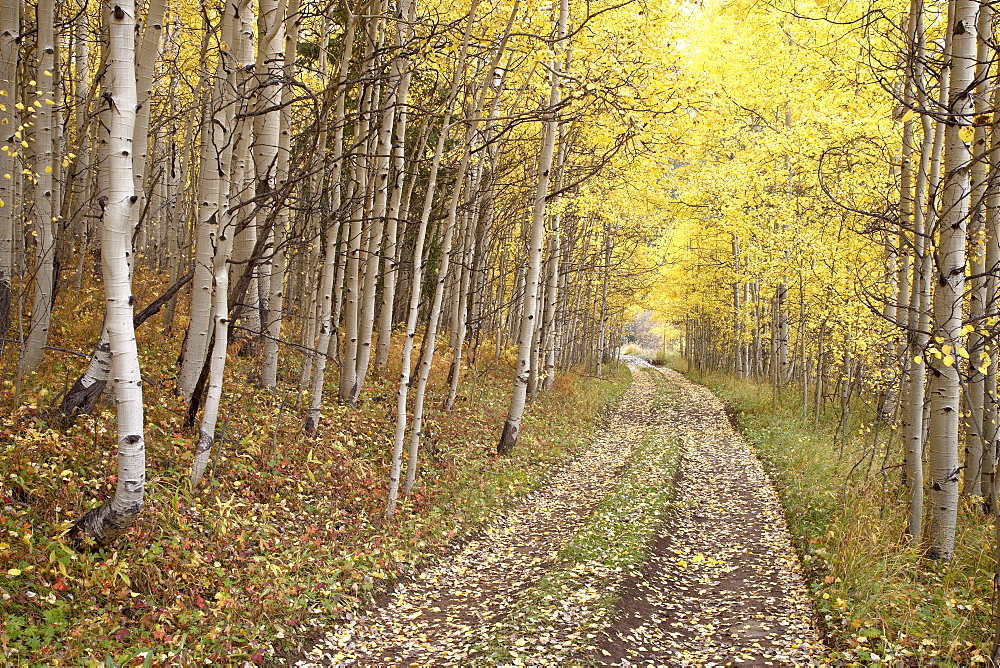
508 439
101 527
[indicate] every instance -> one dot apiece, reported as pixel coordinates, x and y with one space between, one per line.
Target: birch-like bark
271 130
215 135
945 401
552 296
355 237
331 253
381 164
402 390
10 26
108 522
976 251
217 363
404 35
430 339
990 428
605 284
917 335
44 229
512 425
233 159
146 58
460 312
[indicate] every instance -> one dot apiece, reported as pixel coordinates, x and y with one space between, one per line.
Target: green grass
873 594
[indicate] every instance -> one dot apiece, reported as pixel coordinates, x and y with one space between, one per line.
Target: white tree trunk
945 401
233 158
402 390
913 391
10 24
44 166
107 522
215 136
355 238
403 73
383 155
975 344
331 253
536 242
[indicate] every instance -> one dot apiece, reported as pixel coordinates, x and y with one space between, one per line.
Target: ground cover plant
286 533
876 598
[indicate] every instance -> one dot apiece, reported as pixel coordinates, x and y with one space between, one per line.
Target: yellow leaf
967 133
948 360
962 352
14 572
918 359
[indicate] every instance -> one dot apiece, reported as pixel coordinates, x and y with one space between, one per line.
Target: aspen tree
214 136
526 332
945 404
381 172
349 385
10 31
146 58
990 428
330 266
397 207
553 294
919 307
45 211
271 127
450 224
402 389
108 522
605 284
975 386
232 142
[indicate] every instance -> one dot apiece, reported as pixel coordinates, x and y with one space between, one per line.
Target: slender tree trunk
10 31
976 377
402 390
331 252
108 522
44 166
550 131
990 428
945 401
917 336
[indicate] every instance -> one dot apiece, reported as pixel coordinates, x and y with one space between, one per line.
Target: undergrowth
287 533
877 600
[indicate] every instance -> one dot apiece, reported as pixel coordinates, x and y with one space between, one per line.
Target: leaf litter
722 587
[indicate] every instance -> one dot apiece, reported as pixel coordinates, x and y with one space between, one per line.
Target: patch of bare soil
724 586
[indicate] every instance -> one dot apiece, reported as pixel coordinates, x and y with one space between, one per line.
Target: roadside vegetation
286 534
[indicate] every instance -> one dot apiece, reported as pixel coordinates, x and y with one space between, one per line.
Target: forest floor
663 543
